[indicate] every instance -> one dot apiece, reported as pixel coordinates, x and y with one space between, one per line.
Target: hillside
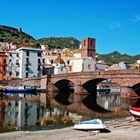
16 36
60 42
19 38
116 57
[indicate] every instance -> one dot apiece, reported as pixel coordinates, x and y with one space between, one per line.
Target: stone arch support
78 89
127 92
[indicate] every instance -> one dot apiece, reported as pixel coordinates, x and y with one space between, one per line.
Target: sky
114 23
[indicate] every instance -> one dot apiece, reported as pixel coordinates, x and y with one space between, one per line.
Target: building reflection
19 113
110 101
2 110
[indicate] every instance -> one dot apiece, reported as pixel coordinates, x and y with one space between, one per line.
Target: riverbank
119 129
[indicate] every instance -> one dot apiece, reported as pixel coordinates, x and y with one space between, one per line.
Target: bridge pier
79 93
79 89
127 92
52 88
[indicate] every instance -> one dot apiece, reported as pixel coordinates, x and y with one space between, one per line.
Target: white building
25 62
13 64
59 66
101 65
83 64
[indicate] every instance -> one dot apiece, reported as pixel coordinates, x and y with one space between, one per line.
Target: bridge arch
136 88
64 92
64 85
91 85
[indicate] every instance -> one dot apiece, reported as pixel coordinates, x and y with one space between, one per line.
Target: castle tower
88 47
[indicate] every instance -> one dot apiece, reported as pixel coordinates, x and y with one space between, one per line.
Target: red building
88 47
3 58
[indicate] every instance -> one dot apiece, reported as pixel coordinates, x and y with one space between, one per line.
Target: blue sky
114 23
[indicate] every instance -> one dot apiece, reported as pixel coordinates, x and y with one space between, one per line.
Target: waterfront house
25 62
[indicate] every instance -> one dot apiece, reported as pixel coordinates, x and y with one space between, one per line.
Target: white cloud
114 25
136 18
109 23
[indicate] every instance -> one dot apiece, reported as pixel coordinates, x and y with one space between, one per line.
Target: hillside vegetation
18 37
116 57
60 42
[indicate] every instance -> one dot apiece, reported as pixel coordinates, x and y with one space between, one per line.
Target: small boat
95 124
135 112
23 89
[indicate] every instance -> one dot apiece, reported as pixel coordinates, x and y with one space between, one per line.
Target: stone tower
88 47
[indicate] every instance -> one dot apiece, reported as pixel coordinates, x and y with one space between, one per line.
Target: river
20 112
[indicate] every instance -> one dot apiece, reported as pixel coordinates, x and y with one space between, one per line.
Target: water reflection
30 113
110 101
27 114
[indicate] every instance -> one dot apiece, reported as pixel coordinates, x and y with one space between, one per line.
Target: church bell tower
88 47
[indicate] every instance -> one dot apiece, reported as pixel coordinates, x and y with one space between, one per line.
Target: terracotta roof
59 60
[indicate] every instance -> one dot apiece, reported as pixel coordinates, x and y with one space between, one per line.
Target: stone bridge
84 88
78 91
82 82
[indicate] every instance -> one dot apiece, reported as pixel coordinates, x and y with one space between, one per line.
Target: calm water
29 113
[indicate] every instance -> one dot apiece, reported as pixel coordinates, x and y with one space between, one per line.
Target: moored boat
24 89
135 112
95 124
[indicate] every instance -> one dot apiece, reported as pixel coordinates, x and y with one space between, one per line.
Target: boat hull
90 125
22 90
135 112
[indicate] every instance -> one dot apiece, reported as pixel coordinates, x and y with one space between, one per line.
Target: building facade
3 58
25 63
83 64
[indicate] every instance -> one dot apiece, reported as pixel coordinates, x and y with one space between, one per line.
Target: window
17 62
89 66
91 42
27 68
26 74
17 73
43 60
10 73
38 68
84 42
27 60
4 61
17 55
39 61
39 54
10 54
27 53
61 69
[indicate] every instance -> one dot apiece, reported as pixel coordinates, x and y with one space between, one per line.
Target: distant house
124 65
101 65
59 66
83 64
